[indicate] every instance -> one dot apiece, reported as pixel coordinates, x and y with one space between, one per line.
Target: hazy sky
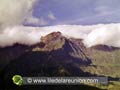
52 12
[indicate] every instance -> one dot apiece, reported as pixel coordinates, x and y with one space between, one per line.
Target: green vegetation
103 58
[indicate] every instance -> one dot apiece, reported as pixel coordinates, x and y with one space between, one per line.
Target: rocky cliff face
59 45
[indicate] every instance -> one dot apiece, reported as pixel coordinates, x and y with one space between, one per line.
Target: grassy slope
105 64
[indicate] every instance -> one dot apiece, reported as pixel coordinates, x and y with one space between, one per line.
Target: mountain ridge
52 42
56 55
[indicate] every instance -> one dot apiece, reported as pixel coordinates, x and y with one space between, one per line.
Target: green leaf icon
17 79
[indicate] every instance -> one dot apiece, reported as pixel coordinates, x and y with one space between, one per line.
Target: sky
83 12
26 21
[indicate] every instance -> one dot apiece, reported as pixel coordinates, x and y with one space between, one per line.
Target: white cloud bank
108 34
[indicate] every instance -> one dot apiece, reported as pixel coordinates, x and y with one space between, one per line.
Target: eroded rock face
51 37
61 46
52 41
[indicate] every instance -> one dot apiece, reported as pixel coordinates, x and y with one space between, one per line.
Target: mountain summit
56 55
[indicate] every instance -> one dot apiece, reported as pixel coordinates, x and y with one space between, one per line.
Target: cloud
32 20
13 12
18 34
51 16
107 34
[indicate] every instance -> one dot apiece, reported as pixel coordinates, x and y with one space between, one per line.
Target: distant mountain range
57 55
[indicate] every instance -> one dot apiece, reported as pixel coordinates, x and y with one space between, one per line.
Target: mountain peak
51 37
52 41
